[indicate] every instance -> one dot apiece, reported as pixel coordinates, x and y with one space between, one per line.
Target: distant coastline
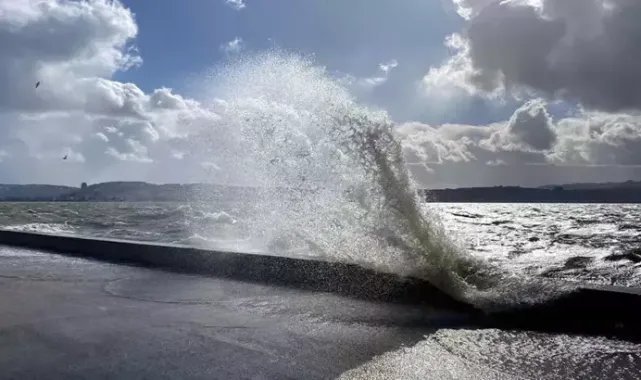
620 192
119 192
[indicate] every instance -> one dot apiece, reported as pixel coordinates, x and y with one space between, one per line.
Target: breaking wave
47 228
332 177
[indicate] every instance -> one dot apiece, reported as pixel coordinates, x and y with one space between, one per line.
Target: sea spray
333 181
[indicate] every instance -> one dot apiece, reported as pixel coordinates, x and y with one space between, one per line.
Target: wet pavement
66 317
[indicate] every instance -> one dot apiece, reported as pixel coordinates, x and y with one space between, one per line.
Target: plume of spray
333 181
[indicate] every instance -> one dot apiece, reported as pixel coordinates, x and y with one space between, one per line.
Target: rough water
334 177
499 233
593 244
586 243
333 185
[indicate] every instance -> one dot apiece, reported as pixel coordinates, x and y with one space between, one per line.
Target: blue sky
481 92
181 38
180 41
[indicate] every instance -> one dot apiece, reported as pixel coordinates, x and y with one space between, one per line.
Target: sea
335 185
583 243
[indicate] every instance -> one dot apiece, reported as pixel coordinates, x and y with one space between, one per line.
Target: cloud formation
582 51
232 47
529 129
369 83
588 146
537 50
68 47
236 4
73 49
579 54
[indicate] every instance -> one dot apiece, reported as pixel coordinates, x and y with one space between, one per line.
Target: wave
48 228
333 176
217 217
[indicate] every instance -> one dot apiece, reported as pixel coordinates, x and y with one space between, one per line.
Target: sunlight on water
497 354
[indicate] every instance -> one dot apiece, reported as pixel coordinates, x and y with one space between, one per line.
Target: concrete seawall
301 272
68 318
592 310
611 311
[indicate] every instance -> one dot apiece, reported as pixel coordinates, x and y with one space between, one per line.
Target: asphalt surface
71 318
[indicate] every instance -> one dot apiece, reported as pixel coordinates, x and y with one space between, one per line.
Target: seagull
37 84
65 157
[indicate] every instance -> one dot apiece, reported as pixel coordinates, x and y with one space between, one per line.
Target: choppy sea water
587 243
338 187
210 226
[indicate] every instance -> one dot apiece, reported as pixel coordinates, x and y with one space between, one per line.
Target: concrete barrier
301 272
611 311
594 310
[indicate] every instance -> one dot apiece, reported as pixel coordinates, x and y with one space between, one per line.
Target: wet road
64 317
71 318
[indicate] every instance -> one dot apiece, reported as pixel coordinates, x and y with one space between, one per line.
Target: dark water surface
584 243
587 243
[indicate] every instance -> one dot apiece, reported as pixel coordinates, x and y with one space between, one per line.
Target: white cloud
136 153
470 8
74 49
372 82
424 144
68 47
233 46
178 155
388 66
589 146
496 162
369 83
596 138
115 130
102 136
236 4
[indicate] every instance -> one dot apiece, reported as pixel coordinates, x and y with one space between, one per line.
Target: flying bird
65 157
37 84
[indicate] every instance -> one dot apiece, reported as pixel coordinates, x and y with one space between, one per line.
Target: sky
481 92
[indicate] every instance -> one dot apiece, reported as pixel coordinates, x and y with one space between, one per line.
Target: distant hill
120 192
625 192
128 191
595 186
143 191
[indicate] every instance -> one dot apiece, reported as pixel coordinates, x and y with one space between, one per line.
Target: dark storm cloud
579 50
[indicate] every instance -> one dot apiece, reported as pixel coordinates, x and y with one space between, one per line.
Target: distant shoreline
623 192
619 192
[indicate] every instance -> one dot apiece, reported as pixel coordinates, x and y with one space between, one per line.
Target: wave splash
332 177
